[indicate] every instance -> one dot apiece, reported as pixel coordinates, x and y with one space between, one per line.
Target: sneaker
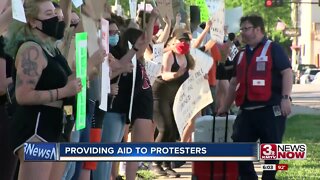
158 170
177 164
143 166
172 173
120 177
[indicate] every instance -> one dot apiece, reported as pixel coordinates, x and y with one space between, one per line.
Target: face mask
225 39
60 31
156 29
183 47
50 26
113 40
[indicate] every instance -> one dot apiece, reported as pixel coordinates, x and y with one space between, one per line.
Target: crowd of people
38 86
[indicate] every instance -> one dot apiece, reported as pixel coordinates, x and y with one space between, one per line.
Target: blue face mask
113 40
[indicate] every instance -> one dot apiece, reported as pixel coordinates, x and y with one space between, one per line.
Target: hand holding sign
72 87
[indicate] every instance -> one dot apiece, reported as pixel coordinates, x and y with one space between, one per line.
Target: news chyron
283 151
40 152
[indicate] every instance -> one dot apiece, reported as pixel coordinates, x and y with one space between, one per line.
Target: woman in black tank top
175 67
41 83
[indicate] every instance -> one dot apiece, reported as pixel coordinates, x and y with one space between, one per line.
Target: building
307 48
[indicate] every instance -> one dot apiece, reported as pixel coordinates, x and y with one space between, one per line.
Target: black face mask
61 28
52 27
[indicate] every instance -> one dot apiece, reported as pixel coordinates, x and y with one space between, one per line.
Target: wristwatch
286 97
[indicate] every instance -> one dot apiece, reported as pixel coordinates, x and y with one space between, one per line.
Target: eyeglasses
114 32
245 29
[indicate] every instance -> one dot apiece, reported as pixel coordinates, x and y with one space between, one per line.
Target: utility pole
295 19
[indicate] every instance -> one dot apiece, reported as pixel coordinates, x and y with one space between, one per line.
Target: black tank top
175 66
54 75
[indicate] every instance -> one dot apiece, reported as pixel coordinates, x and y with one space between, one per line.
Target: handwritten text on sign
81 66
194 94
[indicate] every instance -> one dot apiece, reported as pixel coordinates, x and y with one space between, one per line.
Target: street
306 95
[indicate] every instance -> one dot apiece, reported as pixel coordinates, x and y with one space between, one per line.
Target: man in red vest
261 86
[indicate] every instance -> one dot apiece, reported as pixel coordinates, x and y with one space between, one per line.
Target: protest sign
81 66
194 94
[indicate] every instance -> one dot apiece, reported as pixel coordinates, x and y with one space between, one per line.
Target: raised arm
166 31
200 38
66 7
149 29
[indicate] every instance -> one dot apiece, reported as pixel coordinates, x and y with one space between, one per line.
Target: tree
270 16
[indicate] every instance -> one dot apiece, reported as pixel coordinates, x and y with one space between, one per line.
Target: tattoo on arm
28 57
19 81
51 95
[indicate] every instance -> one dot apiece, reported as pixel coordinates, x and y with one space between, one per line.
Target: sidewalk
186 170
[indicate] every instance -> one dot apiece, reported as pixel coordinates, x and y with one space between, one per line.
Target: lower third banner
143 152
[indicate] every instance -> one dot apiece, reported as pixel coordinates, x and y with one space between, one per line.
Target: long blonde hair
19 32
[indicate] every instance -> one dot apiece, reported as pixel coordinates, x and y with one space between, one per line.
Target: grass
146 175
303 129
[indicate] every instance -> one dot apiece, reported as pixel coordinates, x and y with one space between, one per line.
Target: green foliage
270 16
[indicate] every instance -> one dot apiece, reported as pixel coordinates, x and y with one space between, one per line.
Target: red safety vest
254 80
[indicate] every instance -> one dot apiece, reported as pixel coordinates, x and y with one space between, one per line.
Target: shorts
41 122
142 106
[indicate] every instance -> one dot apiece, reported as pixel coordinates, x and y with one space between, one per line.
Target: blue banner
158 151
40 151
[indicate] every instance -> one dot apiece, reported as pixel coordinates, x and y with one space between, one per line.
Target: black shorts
42 122
142 106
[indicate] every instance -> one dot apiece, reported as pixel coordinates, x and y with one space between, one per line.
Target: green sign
81 72
204 12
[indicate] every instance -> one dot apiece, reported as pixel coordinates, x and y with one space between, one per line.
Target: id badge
276 111
261 66
67 110
262 59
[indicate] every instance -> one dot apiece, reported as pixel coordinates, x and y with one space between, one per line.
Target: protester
175 67
159 35
115 118
41 77
261 86
7 169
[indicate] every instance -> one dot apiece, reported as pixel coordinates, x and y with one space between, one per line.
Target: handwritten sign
105 78
153 70
218 19
77 3
133 8
194 94
165 8
148 7
81 66
18 11
153 67
233 52
98 6
134 73
232 19
158 52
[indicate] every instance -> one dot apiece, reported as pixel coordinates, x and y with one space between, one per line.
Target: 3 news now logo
283 151
40 152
